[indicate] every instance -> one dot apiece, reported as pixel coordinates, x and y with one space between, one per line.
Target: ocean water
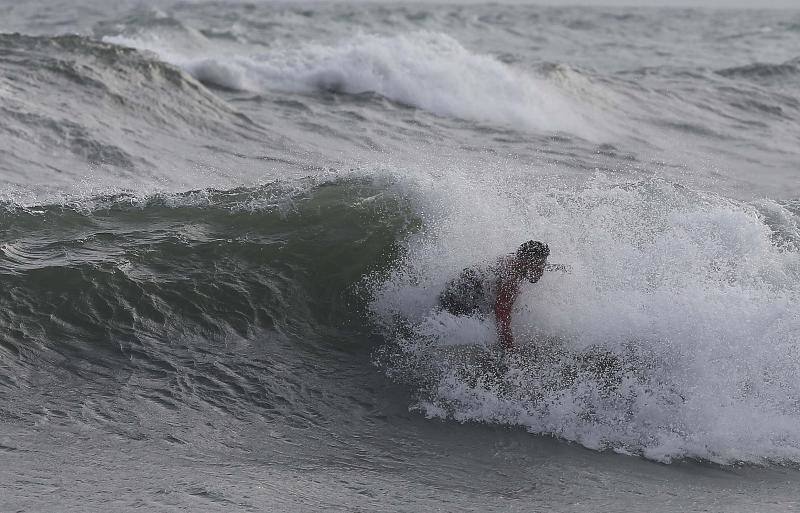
224 227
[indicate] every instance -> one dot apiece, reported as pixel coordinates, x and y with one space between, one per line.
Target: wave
54 137
765 72
430 71
691 297
200 295
110 72
434 72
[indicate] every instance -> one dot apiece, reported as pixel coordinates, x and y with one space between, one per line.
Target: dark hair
533 250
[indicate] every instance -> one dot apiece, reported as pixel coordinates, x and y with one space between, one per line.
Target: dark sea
224 227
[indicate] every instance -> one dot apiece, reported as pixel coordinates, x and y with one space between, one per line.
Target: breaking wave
430 71
674 334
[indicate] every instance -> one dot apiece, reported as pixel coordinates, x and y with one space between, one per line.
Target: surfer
493 291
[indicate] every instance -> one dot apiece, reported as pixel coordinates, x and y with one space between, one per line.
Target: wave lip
430 71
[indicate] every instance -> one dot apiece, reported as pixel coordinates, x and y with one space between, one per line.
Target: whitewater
225 226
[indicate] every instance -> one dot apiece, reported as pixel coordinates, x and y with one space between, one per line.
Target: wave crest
430 71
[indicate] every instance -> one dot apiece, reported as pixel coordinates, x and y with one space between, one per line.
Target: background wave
509 93
431 71
55 138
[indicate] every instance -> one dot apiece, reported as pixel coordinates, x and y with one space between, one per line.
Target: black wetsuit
467 294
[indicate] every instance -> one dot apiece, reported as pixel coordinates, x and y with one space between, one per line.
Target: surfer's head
531 258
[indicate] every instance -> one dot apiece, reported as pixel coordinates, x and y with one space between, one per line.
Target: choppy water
224 227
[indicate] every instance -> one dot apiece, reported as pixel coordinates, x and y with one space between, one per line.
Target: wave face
224 228
198 294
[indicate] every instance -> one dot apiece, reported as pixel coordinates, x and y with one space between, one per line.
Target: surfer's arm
504 333
506 294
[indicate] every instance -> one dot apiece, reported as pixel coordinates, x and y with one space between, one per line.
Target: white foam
693 291
430 71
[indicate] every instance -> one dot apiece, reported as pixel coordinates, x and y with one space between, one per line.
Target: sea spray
689 292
